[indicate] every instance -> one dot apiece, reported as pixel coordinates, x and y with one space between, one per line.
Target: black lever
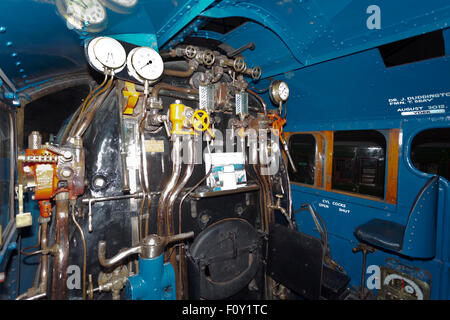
234 53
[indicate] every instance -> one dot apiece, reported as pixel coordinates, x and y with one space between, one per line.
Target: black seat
381 233
416 238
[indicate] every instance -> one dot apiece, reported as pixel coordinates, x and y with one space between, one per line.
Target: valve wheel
208 57
256 72
200 120
190 52
239 65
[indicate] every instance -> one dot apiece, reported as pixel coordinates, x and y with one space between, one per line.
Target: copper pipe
44 259
253 93
60 263
181 74
161 85
176 170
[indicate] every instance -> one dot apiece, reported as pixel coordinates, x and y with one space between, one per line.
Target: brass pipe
88 116
176 170
76 119
60 263
161 85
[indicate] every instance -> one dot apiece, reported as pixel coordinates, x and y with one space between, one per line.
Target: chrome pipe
176 170
176 192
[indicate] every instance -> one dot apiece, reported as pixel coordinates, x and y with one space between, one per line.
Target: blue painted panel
319 30
360 85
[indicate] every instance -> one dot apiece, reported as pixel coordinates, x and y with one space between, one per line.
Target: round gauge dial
407 285
120 6
145 63
89 15
279 91
105 52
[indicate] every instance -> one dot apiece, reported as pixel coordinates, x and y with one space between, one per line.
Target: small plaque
24 220
154 145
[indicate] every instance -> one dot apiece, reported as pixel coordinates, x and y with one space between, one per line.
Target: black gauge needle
110 55
149 62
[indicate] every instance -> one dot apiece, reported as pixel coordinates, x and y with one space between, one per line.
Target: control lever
149 248
365 250
234 53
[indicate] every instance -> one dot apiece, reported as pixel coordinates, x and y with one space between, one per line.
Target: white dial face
110 53
144 63
83 13
106 54
125 3
283 91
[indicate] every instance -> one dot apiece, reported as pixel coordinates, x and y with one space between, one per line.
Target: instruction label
426 104
327 204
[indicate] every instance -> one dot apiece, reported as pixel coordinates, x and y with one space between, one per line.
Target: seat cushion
381 233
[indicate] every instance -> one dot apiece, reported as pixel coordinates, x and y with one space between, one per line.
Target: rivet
14 54
21 70
2 29
18 63
9 43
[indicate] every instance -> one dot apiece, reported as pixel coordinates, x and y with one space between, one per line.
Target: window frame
318 157
326 165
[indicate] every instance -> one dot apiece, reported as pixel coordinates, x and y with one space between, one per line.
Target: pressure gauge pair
108 55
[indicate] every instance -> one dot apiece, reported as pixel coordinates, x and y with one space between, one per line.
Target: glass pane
303 151
5 161
430 152
359 162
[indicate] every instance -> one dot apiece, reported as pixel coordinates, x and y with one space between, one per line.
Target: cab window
430 152
359 161
303 151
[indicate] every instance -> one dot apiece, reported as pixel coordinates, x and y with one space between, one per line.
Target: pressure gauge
88 15
120 6
279 91
106 53
145 63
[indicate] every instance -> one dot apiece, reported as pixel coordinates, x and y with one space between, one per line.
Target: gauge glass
83 13
145 63
125 3
110 53
283 91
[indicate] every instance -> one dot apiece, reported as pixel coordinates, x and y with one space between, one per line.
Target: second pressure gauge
279 91
106 53
145 64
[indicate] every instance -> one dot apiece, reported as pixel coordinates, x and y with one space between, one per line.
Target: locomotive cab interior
224 150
